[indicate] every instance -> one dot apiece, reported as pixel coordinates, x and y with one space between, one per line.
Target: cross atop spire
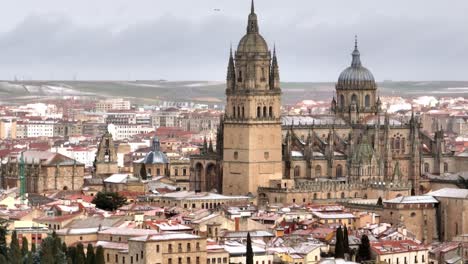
356 62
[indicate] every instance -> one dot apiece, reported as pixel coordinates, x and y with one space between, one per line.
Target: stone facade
258 150
106 157
44 171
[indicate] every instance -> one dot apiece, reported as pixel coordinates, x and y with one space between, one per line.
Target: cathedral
357 151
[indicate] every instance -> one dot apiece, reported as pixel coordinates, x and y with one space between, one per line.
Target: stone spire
252 26
356 62
274 72
231 72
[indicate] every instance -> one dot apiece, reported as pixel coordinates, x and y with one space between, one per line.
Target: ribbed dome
356 76
252 43
156 156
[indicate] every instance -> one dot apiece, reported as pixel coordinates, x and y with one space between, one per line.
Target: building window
157 248
158 172
188 247
233 111
367 101
179 260
184 172
236 155
271 111
198 246
266 155
259 110
297 171
426 167
315 196
169 261
264 111
188 260
446 169
422 259
176 172
339 170
179 248
318 171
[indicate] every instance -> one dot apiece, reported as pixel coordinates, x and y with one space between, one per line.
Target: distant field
205 91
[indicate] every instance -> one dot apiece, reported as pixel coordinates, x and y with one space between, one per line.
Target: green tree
33 247
249 252
346 240
99 255
29 258
3 259
143 173
109 201
339 244
46 251
64 248
71 255
379 201
14 254
24 247
90 258
3 244
80 257
364 253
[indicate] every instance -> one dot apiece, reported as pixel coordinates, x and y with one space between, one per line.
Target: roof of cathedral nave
321 120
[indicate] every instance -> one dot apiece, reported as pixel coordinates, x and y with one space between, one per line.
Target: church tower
252 121
105 163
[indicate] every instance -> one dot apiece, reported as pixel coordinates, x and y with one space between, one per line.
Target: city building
358 151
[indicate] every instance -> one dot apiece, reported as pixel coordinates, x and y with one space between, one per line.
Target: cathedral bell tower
252 121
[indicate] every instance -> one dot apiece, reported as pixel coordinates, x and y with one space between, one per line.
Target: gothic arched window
403 145
446 169
233 111
315 196
243 112
339 170
342 101
297 171
264 111
318 171
397 144
238 112
239 79
367 101
354 98
259 110
426 167
271 111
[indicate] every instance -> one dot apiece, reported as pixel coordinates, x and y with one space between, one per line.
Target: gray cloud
184 39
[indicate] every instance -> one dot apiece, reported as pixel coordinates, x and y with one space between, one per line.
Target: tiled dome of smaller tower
356 76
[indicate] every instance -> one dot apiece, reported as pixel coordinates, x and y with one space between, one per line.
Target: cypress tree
143 173
29 258
24 247
90 254
80 257
346 240
99 255
46 251
364 253
379 201
33 247
249 252
3 245
71 254
3 259
339 245
64 248
14 254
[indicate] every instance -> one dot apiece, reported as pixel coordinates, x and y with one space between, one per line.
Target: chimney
237 223
279 232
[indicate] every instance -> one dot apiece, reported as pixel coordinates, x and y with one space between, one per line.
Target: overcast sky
189 40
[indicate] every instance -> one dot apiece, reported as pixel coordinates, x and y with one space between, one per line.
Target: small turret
231 73
274 72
